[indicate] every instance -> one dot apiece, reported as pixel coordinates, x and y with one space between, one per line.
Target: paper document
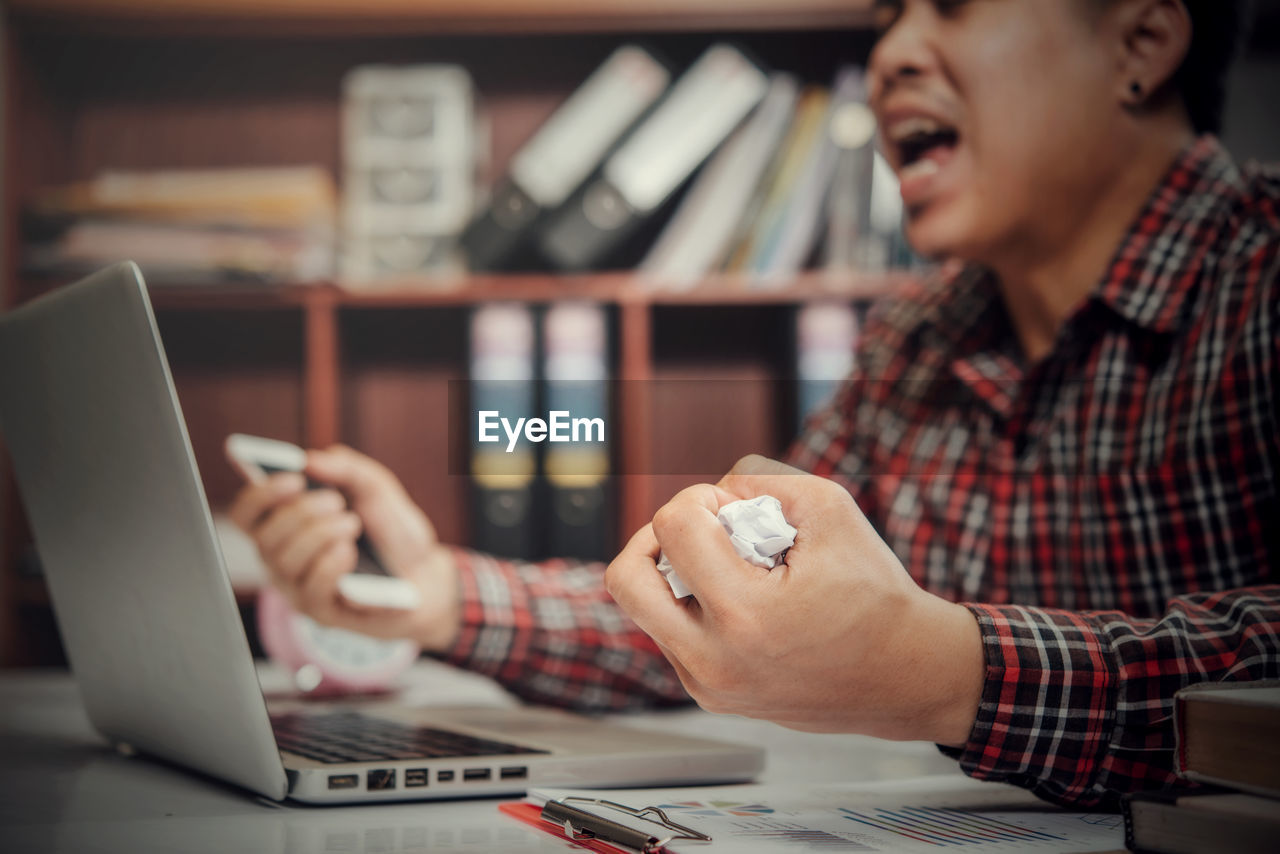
920 814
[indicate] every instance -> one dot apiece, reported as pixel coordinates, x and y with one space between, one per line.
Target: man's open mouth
922 145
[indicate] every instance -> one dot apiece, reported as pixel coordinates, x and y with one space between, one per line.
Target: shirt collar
1159 261
962 333
954 301
1152 273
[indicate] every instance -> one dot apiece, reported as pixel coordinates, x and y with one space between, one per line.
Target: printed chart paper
917 815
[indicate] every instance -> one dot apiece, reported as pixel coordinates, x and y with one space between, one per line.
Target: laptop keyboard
334 737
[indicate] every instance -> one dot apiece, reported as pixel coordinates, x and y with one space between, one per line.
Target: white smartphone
371 583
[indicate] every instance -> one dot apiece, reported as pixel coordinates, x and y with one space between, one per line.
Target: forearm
1079 706
550 633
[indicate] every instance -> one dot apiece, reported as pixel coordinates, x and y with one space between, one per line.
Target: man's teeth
910 127
921 168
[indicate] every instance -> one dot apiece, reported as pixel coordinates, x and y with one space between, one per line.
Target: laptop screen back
105 470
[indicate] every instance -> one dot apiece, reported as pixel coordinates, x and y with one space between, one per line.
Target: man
1076 434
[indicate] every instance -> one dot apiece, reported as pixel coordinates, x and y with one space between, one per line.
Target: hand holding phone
371 584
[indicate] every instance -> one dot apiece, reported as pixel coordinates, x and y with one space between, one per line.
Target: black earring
1135 89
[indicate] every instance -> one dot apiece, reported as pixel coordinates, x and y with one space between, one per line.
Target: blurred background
362 220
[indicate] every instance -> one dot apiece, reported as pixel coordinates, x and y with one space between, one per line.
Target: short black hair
1217 28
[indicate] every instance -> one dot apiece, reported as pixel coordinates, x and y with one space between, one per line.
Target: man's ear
1153 39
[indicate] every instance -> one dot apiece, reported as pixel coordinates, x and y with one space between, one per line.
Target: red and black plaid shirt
1113 506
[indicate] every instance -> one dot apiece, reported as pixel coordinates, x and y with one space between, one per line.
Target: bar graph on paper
754 828
948 828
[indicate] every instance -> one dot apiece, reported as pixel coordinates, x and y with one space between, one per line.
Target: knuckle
271 552
324 499
378 470
665 520
343 557
612 581
835 491
619 579
274 520
698 493
284 570
280 559
334 559
671 517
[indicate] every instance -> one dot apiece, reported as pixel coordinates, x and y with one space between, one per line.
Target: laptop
150 625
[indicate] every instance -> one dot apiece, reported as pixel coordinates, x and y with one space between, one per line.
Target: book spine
700 234
853 242
766 212
826 335
503 471
792 242
575 369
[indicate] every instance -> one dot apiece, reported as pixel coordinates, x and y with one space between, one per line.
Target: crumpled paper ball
757 530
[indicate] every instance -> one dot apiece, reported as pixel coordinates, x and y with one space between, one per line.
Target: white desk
63 789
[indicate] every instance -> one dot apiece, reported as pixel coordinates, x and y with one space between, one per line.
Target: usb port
514 772
343 781
415 777
476 774
444 776
381 779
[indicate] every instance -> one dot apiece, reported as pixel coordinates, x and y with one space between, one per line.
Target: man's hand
838 639
307 539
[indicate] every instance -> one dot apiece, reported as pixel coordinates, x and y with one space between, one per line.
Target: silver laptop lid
104 465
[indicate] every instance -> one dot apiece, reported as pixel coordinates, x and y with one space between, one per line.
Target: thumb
360 477
754 475
805 497
397 527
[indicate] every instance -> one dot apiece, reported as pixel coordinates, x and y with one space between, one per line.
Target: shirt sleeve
1078 706
550 633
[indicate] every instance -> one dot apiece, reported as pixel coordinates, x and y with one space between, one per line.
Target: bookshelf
144 84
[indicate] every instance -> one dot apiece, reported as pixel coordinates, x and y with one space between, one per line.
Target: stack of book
190 226
734 169
1229 738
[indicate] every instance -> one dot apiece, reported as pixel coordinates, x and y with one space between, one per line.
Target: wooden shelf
403 17
620 288
233 296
